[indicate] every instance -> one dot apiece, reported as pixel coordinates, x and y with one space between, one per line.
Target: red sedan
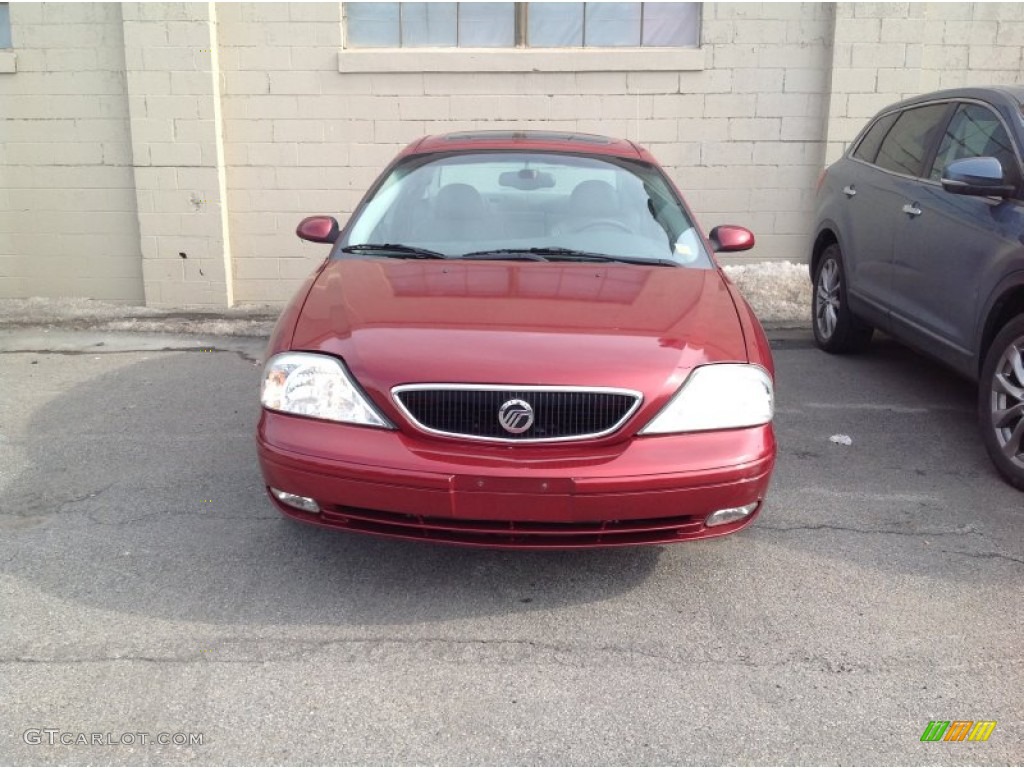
520 339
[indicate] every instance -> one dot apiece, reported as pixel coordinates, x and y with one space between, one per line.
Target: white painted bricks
174 105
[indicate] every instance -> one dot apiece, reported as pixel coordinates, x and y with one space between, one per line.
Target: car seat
459 214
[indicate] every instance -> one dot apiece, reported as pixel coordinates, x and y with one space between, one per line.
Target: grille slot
559 413
493 533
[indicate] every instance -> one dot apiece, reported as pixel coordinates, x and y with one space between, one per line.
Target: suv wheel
836 328
1001 402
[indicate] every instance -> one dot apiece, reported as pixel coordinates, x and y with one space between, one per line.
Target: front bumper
649 490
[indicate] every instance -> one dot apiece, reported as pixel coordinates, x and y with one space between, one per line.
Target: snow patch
778 291
80 314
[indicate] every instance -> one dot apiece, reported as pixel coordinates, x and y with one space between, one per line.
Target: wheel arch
1008 304
826 236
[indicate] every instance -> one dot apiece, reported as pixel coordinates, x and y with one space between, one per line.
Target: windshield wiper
561 254
394 249
509 254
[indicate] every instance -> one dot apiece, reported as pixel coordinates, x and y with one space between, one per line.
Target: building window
522 25
5 25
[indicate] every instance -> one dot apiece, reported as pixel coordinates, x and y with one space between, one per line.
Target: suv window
867 150
905 146
975 131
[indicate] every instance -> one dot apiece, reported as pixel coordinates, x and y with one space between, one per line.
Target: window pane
908 142
975 131
555 24
867 150
372 25
487 25
612 24
429 24
671 24
5 26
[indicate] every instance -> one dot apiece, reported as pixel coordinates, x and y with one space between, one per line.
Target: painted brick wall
68 223
171 60
299 137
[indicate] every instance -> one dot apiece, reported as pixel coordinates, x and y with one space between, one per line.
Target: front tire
1001 402
836 328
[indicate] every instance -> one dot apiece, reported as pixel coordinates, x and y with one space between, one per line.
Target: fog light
304 503
730 515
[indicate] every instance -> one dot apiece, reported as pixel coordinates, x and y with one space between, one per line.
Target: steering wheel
612 223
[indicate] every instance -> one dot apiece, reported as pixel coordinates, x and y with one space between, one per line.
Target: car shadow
140 493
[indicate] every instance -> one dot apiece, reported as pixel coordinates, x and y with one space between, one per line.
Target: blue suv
920 233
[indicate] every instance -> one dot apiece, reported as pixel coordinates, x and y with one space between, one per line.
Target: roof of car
547 141
1011 94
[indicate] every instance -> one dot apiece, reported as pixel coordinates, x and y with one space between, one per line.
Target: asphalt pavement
147 587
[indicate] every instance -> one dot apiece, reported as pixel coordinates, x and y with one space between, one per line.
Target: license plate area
512 498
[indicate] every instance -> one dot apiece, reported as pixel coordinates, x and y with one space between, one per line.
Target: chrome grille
560 413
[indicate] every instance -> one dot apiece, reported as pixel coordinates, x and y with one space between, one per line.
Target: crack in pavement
985 555
306 649
362 649
97 352
879 531
78 499
60 508
169 515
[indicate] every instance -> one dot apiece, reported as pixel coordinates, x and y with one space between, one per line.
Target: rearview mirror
526 179
976 176
728 237
318 229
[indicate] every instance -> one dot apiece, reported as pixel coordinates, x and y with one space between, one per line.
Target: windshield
539 203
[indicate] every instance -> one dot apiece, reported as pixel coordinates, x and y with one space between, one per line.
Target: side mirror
727 238
318 229
976 176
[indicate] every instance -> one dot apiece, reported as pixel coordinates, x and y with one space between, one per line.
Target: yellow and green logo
958 730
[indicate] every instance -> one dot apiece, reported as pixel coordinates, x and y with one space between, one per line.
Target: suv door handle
911 209
849 190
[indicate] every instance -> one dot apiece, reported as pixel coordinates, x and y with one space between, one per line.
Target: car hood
526 323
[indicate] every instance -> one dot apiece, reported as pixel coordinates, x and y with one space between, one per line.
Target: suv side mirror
976 176
728 238
318 229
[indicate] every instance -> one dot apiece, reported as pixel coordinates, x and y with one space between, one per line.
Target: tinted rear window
905 146
867 150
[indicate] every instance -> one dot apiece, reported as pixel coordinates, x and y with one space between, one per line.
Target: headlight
722 396
317 386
